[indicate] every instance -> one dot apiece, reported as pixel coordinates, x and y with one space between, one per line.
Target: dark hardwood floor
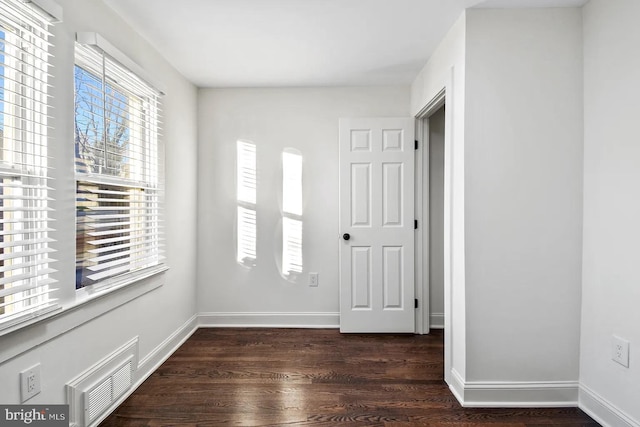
302 377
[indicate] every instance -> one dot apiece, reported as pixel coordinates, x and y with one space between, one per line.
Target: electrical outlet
29 382
313 279
620 351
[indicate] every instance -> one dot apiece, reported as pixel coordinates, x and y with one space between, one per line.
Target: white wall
436 218
446 70
514 129
611 278
76 339
275 119
523 197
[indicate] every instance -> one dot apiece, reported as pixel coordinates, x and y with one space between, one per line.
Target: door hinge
416 144
415 303
415 224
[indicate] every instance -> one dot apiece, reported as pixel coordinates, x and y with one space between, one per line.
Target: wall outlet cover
313 279
620 351
29 382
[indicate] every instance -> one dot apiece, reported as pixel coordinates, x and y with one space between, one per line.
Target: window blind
118 175
25 284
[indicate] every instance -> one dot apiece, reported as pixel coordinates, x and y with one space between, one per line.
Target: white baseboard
514 394
152 361
269 320
436 320
503 394
603 411
457 386
166 348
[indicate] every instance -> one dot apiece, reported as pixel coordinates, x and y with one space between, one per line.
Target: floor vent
99 388
99 398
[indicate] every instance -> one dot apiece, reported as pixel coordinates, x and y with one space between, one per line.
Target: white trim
421 237
100 289
423 314
28 318
445 96
603 411
71 316
269 320
166 348
152 361
449 119
76 388
514 394
48 7
434 105
98 41
456 385
436 320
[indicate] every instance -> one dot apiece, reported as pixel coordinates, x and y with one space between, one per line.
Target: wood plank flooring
302 377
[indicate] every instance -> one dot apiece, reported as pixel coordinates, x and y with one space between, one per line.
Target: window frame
146 131
24 178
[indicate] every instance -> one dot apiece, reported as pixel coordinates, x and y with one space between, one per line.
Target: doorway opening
430 207
435 157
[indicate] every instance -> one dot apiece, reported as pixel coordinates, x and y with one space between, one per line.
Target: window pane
115 231
2 91
103 127
25 281
89 125
118 211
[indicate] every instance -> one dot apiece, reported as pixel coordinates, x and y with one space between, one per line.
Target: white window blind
118 170
25 284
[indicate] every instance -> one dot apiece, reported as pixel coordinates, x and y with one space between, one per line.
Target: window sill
26 335
99 290
29 319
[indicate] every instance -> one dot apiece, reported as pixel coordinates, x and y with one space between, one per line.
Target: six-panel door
377 212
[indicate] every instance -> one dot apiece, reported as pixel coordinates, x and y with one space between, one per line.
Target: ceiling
266 43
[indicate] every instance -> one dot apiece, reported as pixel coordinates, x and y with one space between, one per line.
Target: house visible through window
118 175
25 282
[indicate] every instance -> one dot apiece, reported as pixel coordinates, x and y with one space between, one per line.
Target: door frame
443 97
422 211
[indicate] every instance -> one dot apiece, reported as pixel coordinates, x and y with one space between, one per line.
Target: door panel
392 194
392 276
361 277
361 195
377 212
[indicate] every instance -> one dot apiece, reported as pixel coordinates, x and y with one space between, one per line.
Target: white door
377 225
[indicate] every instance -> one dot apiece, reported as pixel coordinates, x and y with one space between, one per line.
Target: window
25 284
119 181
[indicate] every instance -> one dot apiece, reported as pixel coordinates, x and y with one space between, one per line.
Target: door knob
346 236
